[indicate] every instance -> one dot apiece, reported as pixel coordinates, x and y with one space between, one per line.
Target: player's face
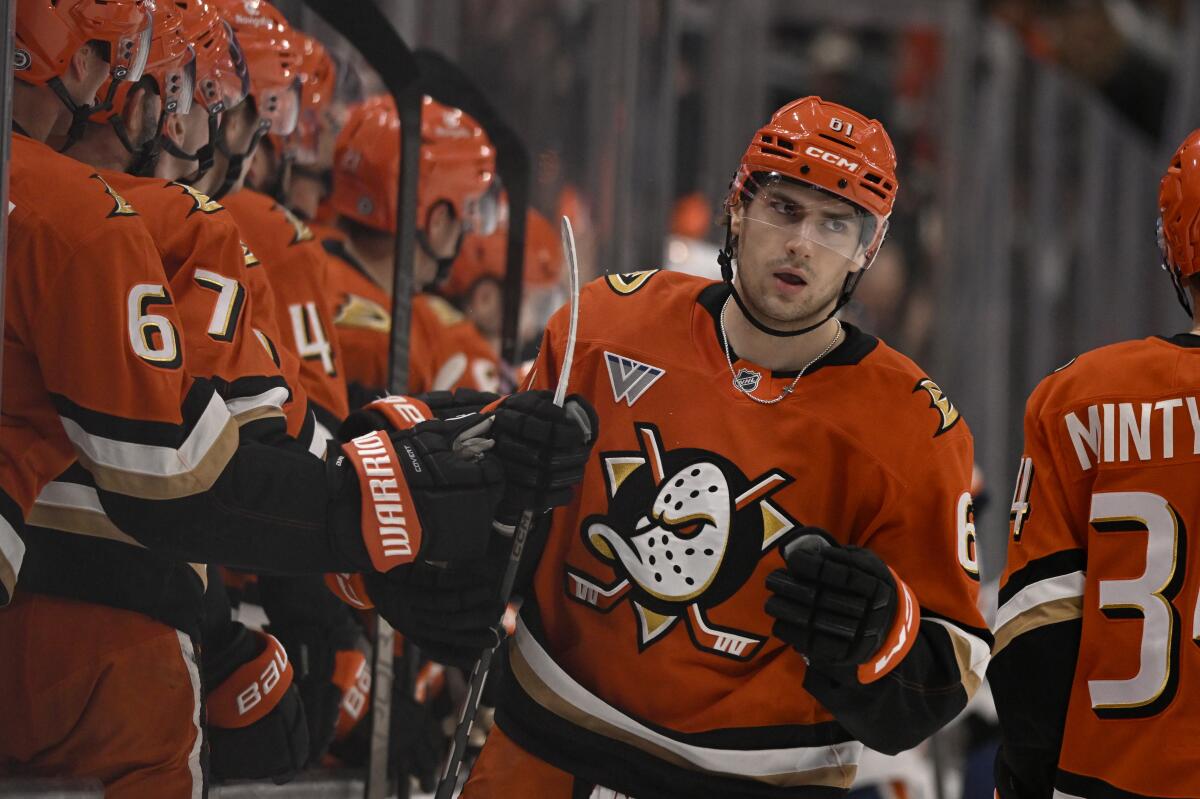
484 306
795 247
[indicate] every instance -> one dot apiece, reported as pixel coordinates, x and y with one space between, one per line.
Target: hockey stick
372 34
466 719
446 82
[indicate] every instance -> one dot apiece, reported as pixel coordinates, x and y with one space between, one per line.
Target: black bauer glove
316 629
429 492
544 449
451 612
256 723
838 605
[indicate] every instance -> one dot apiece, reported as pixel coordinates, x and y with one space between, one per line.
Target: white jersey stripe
980 651
12 553
274 398
189 661
151 460
320 439
737 762
1064 586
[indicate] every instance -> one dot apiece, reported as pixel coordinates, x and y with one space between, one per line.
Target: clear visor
130 53
809 221
179 86
280 106
483 213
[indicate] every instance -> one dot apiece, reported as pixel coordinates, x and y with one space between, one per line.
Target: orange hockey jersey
93 362
445 350
298 272
212 278
1096 674
643 659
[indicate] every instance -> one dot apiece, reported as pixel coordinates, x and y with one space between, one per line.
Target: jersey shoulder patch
359 312
121 206
446 313
625 283
300 231
948 415
200 201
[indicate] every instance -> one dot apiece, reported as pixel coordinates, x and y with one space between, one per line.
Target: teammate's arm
173 468
1038 623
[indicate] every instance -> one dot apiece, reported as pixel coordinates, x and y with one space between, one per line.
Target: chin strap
1181 293
278 187
725 259
237 160
443 264
205 156
80 113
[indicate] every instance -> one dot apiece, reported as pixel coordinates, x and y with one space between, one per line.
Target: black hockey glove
835 605
314 626
544 449
450 612
257 727
450 404
429 493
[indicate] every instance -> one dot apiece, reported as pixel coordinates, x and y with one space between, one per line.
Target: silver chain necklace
837 335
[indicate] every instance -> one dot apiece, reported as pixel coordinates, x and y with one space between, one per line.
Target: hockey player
295 264
771 560
476 281
105 379
1094 681
296 169
213 280
454 197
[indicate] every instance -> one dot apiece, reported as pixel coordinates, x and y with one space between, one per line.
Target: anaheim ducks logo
359 312
939 401
201 201
301 231
121 206
684 530
629 282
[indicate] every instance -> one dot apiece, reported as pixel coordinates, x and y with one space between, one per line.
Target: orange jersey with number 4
298 272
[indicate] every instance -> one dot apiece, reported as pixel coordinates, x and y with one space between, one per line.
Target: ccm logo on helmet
832 158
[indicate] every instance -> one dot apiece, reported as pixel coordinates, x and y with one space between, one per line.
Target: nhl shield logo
747 379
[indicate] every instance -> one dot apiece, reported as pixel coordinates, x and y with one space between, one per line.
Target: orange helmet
1179 215
171 64
1179 208
273 54
827 145
484 257
50 32
457 166
318 75
222 75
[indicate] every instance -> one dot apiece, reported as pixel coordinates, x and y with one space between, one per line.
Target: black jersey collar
855 346
338 249
1189 340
